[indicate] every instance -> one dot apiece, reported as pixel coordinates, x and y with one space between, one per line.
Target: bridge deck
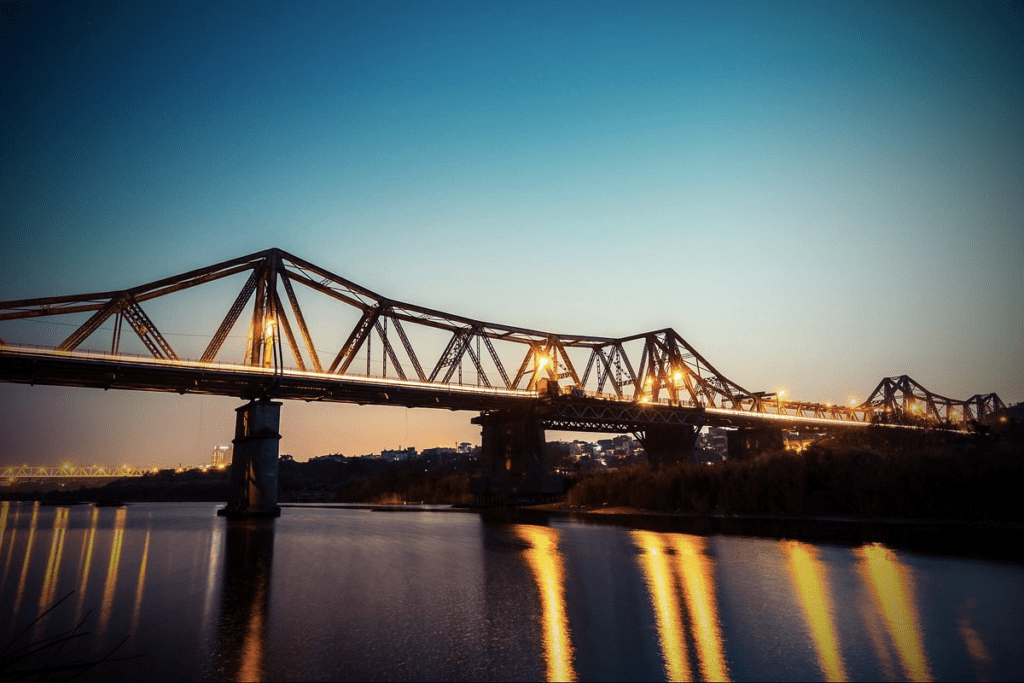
589 412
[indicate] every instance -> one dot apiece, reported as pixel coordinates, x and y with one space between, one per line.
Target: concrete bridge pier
669 444
254 463
513 459
748 442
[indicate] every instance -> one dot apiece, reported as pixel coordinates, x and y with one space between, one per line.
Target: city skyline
814 196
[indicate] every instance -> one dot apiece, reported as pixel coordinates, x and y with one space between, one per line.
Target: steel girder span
291 329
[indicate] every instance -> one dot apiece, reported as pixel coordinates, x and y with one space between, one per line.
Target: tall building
220 456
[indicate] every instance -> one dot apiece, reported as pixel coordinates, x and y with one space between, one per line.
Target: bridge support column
669 444
513 460
254 461
748 443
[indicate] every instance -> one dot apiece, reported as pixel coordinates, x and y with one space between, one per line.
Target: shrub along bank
906 474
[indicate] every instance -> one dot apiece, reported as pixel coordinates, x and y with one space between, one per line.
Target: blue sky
815 195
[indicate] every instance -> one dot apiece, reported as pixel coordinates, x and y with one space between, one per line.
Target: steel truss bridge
386 352
21 472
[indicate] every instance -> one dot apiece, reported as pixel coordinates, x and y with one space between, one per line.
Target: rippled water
336 594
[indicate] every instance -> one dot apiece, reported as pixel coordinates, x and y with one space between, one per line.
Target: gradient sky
815 195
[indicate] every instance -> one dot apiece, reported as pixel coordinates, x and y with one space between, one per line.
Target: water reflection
655 565
811 583
245 600
10 543
28 556
549 572
85 562
975 647
141 583
694 575
892 589
113 564
60 526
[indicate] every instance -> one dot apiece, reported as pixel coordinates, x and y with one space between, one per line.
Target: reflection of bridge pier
254 464
245 600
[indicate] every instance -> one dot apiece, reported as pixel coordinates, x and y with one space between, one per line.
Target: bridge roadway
580 411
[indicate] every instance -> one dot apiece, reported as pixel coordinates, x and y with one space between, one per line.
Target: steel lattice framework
482 366
72 472
903 395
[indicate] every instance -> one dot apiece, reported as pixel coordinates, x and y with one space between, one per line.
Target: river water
352 594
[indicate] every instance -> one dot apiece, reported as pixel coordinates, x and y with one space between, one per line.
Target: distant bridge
68 471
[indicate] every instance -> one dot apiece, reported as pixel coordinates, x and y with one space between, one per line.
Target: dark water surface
335 594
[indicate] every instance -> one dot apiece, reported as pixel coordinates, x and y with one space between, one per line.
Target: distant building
399 455
219 458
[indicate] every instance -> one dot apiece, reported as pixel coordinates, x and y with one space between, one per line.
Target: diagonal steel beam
231 318
409 350
481 375
90 325
282 322
497 362
300 321
146 330
355 340
383 334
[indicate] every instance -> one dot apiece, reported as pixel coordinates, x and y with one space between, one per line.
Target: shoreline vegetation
879 474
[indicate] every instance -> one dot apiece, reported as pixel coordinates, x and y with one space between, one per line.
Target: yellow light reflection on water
110 586
545 562
655 565
60 526
85 562
892 588
811 583
252 653
975 647
697 577
10 546
5 506
28 557
141 584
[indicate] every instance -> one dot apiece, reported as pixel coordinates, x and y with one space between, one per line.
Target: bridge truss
390 352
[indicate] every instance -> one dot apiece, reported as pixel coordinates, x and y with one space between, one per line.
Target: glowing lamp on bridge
542 362
268 331
677 377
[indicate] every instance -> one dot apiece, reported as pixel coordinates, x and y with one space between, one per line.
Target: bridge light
269 329
676 377
542 362
853 400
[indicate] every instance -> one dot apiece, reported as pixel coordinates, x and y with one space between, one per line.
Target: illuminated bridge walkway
309 334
